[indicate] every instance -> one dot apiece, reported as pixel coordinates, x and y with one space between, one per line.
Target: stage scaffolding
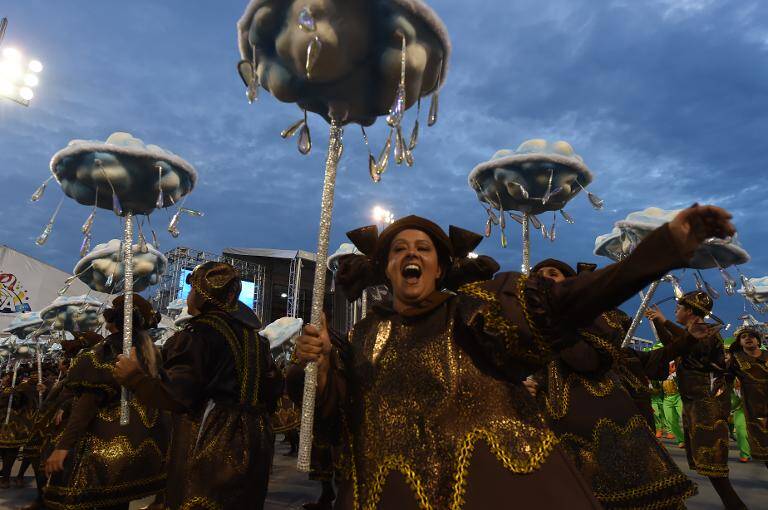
182 258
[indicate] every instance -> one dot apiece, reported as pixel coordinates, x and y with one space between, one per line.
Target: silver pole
318 294
127 309
526 267
10 397
639 314
39 374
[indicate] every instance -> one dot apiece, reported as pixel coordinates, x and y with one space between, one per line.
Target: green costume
673 408
657 403
740 425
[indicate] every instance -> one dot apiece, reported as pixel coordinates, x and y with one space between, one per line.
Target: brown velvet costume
19 428
602 429
753 374
109 464
700 373
428 408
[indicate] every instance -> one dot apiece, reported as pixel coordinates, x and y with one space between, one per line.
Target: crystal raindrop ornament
414 136
535 221
409 157
488 227
544 232
110 279
399 146
567 217
714 294
548 193
492 216
503 239
291 130
154 240
43 237
313 53
521 190
729 284
304 142
38 194
306 20
434 104
88 224
373 170
502 220
173 226
143 248
552 232
117 207
397 110
85 246
383 161
517 217
596 201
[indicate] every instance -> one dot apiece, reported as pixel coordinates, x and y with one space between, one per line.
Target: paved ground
289 488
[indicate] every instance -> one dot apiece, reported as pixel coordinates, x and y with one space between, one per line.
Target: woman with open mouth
425 404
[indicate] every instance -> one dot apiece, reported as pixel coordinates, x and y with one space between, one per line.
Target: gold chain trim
494 319
148 416
199 502
396 464
537 337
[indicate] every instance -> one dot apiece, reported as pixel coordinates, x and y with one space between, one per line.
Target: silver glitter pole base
318 296
127 309
526 266
10 397
39 374
639 314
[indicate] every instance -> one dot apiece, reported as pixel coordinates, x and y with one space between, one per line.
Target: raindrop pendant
503 239
373 170
567 217
517 217
88 225
488 227
433 107
43 237
173 226
154 240
383 161
291 130
306 20
535 221
304 142
552 228
414 136
596 201
313 53
85 247
397 110
548 193
117 207
729 284
38 194
399 146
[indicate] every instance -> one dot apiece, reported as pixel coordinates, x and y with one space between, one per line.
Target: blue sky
666 100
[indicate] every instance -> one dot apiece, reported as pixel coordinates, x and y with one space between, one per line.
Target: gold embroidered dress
108 464
753 374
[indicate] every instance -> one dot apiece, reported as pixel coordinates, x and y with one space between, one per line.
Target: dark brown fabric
21 420
108 463
141 307
564 268
220 374
700 374
753 374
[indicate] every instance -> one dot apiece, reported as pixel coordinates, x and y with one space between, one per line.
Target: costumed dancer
219 373
426 397
97 462
704 392
593 395
16 433
54 411
673 405
738 423
750 364
657 403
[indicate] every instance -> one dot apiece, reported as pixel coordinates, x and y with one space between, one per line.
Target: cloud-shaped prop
177 305
183 318
123 166
628 233
282 330
103 269
756 290
75 313
538 176
26 324
343 249
340 56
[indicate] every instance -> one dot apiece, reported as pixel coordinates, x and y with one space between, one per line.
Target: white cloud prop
759 292
282 330
637 225
128 166
74 313
497 181
344 249
106 259
26 324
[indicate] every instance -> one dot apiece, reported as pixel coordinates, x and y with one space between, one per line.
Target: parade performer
593 394
16 433
99 463
673 406
704 392
738 423
657 403
750 364
219 376
426 395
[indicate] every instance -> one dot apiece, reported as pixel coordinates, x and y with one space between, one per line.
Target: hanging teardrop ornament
43 237
192 212
373 170
38 194
699 281
488 227
173 226
434 104
313 53
552 228
567 217
535 221
252 91
110 280
714 294
597 202
85 246
306 20
492 216
544 232
414 136
548 193
517 217
143 248
155 242
383 161
729 284
88 224
522 191
503 239
409 157
117 207
291 130
397 110
399 146
502 220
304 142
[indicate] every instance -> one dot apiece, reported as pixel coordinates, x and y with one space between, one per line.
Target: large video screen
246 294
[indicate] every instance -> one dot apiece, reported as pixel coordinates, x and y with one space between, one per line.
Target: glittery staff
317 58
640 312
10 397
130 178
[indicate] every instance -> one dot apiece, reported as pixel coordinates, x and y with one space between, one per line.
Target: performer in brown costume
426 395
598 423
704 392
18 430
750 364
99 463
219 376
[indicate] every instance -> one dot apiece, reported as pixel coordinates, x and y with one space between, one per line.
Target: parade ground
289 489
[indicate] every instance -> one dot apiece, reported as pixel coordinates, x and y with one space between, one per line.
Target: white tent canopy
26 284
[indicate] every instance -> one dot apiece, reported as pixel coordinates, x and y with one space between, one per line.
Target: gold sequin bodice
424 402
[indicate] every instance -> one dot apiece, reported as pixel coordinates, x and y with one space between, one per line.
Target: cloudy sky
666 100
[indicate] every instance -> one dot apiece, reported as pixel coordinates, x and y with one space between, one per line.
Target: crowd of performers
469 389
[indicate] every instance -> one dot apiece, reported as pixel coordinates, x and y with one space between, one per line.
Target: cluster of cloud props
25 324
122 174
103 269
282 330
343 57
